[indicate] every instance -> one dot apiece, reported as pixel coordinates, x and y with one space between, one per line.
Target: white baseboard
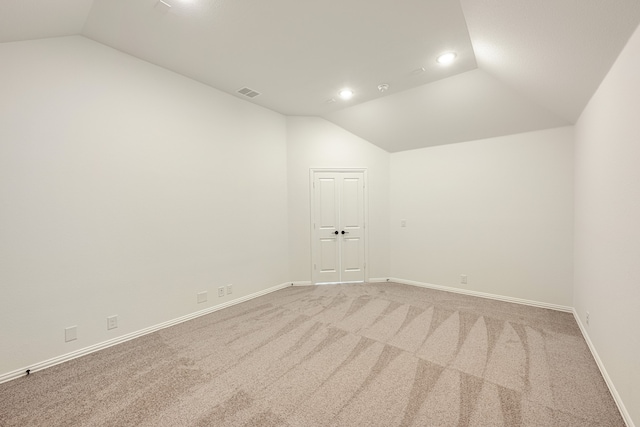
607 379
105 344
484 295
309 283
378 279
301 283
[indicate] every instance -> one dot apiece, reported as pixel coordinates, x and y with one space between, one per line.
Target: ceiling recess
249 93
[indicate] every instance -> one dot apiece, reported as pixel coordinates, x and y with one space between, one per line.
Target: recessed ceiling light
345 94
446 58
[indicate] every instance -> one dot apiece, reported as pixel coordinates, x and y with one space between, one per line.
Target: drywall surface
499 211
607 226
125 189
313 142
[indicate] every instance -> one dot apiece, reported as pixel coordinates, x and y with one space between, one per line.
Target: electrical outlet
587 319
221 291
112 322
70 333
229 289
202 297
463 279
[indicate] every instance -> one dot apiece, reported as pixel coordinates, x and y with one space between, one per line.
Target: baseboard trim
483 295
309 283
378 280
607 379
301 283
109 343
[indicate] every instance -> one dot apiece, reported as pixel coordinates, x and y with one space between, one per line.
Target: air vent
249 93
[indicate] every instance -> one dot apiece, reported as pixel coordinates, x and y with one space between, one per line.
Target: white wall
126 189
313 142
498 210
607 228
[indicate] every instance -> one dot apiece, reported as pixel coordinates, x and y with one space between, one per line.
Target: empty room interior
344 213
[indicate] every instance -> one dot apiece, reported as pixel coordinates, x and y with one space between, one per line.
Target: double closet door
338 226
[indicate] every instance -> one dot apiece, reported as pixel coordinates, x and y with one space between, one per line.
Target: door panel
328 256
352 223
326 261
351 261
350 212
328 200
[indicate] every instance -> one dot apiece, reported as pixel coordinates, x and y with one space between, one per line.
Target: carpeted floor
341 355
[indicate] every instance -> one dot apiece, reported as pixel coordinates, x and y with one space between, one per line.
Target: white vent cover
249 93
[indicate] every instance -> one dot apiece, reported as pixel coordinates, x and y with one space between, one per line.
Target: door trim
365 201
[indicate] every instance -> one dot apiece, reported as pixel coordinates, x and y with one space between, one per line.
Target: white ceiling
522 65
466 107
555 51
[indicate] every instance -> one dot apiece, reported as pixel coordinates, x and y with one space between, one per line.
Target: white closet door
351 227
338 234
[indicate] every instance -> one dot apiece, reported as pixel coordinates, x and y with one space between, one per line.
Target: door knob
336 232
343 232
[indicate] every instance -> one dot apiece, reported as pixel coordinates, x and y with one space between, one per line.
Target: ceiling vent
249 93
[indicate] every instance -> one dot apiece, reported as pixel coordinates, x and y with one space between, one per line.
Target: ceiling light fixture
346 94
446 58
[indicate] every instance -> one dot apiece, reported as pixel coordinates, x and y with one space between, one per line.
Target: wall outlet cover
202 297
71 333
112 322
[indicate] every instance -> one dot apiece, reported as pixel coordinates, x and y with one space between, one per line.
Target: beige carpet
342 355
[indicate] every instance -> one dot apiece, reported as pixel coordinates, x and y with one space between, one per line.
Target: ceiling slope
37 19
296 54
554 51
469 106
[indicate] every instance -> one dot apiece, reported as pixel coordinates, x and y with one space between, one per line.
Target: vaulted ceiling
521 65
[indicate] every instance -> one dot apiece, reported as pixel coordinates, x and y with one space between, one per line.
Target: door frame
365 202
